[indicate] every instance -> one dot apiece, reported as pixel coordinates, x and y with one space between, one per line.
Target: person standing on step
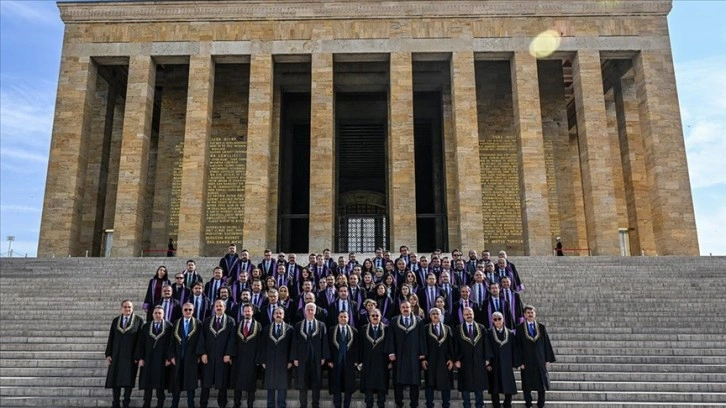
344 356
309 353
230 263
535 355
244 350
120 353
184 350
409 349
218 331
501 342
472 359
558 248
152 353
439 361
274 357
190 274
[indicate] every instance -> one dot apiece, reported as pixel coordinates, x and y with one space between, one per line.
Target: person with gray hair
439 361
120 347
151 352
309 352
501 342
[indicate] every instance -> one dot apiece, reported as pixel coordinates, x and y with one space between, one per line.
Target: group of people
369 325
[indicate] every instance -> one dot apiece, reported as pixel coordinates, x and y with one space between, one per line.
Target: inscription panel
227 158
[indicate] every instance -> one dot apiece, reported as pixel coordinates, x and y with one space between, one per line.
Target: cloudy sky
31 35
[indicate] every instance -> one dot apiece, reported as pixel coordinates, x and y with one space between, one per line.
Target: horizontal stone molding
248 10
297 47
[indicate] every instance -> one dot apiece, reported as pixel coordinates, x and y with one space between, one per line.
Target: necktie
496 304
531 329
431 296
343 306
438 331
246 329
406 322
167 314
278 329
481 294
125 322
310 327
218 323
186 327
254 299
375 332
198 306
471 332
156 328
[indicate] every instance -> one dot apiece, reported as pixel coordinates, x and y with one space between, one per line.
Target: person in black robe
171 306
152 353
471 360
344 356
274 357
218 331
376 344
514 304
244 350
230 262
439 361
536 354
153 291
558 248
409 349
309 353
501 342
120 357
185 349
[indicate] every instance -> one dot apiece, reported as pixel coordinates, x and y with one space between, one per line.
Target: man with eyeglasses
501 342
120 358
535 356
179 291
185 349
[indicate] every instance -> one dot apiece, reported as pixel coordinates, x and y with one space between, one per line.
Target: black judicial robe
374 356
188 358
408 344
503 360
309 350
275 354
216 372
440 350
121 346
534 352
472 354
342 375
154 349
245 353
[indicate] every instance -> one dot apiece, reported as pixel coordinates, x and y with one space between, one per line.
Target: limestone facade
170 118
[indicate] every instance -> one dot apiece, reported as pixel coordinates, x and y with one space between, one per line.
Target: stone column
259 135
536 228
466 151
616 161
401 164
595 158
63 202
133 167
195 164
635 176
674 224
322 156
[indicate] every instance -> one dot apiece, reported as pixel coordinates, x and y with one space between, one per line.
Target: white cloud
23 155
30 11
15 208
702 94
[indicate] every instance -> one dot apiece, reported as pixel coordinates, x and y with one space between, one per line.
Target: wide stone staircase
628 332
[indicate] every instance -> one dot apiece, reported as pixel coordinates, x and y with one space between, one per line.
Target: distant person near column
558 247
170 248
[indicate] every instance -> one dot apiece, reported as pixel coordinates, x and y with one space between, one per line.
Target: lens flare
545 44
